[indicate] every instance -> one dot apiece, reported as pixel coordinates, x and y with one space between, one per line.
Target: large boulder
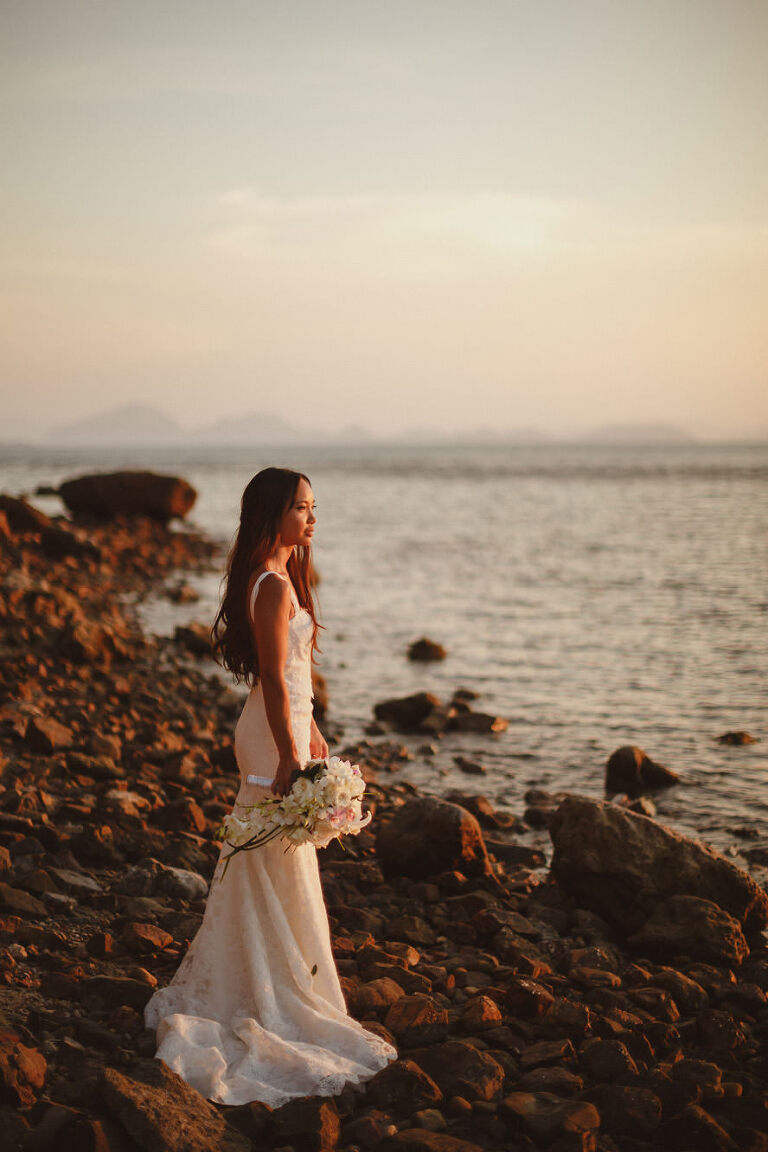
630 770
690 926
428 836
622 865
164 1114
104 495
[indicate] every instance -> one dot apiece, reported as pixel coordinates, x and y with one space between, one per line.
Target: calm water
593 596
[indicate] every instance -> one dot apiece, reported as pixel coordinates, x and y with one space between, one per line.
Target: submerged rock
425 650
630 770
622 865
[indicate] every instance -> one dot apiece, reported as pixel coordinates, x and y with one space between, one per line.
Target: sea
593 596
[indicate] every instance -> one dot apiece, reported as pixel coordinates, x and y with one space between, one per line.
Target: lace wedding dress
255 1010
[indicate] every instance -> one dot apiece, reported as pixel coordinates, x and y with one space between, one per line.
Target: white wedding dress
255 1010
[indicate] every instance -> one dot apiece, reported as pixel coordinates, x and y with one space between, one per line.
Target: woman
255 1010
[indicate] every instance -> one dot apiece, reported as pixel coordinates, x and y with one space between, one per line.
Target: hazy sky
550 213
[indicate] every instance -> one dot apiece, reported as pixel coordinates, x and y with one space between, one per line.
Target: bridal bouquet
324 802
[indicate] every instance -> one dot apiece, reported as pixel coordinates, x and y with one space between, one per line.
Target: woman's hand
286 767
318 748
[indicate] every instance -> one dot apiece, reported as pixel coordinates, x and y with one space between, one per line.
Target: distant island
134 425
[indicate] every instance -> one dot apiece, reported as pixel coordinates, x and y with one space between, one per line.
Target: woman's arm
269 629
318 749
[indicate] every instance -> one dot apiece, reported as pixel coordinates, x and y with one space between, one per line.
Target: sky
499 213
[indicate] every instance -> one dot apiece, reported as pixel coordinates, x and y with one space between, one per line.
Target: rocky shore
617 1001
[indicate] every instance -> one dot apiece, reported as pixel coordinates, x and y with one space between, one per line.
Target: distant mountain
638 434
126 424
252 428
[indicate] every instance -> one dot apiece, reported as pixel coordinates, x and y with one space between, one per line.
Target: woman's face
298 522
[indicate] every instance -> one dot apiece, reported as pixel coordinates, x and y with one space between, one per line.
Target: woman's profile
255 1010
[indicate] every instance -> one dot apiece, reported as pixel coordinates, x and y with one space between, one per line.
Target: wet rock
481 722
164 1114
469 767
425 650
194 638
622 865
134 493
547 1117
22 1071
403 1088
20 902
690 926
737 738
407 713
606 1060
630 770
479 1014
428 836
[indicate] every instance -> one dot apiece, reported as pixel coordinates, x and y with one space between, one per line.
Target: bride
255 1010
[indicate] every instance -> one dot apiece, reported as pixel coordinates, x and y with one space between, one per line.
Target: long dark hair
266 499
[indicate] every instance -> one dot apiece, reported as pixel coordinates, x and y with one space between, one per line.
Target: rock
462 1070
469 767
377 994
628 1111
425 650
477 722
45 735
737 738
145 938
605 1060
630 770
547 1117
479 1014
690 926
403 1088
181 882
428 836
417 1020
22 903
407 713
694 1129
309 1122
22 1071
107 495
194 637
101 992
422 1140
22 516
164 1114
622 865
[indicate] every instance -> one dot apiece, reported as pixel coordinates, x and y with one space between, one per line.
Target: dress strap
257 584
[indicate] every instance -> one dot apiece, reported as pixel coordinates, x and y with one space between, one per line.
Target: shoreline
117 752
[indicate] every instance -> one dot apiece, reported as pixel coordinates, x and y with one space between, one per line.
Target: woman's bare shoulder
273 591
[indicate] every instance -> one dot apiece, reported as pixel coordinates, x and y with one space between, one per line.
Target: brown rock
630 770
407 713
428 836
526 998
547 1052
690 926
377 994
162 1113
101 992
22 1070
417 1020
22 903
462 1070
309 1122
106 495
479 1014
622 865
694 1129
403 1088
629 1111
45 735
144 938
478 722
603 1059
425 650
547 1117
422 1140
